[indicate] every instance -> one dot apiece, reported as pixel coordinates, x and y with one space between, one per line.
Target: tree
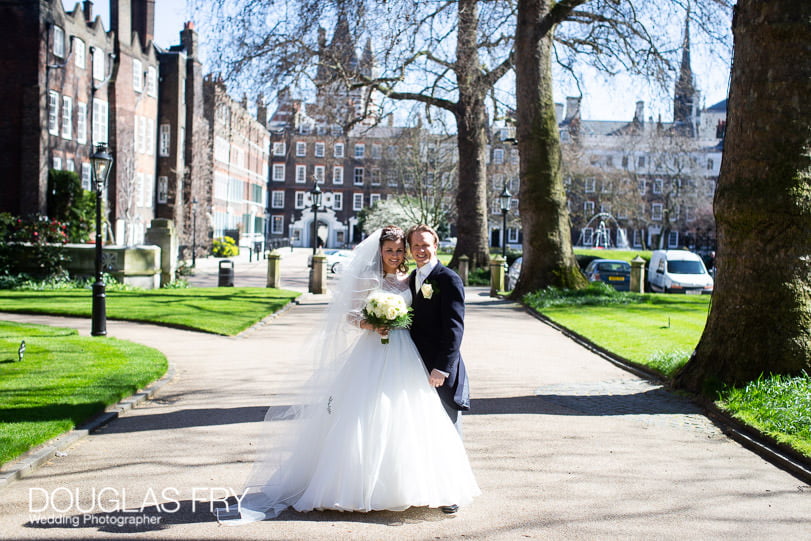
609 34
445 55
761 307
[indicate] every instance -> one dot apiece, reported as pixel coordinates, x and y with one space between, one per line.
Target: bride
368 432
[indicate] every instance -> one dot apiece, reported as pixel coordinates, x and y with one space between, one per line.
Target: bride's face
392 253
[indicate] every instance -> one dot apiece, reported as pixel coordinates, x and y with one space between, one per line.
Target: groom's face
423 247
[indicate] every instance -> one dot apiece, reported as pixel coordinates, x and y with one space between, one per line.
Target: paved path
564 445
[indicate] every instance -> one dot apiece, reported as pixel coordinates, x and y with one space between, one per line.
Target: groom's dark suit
437 328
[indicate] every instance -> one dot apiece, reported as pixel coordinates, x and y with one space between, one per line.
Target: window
277 199
319 150
514 156
360 151
99 134
710 187
220 150
69 165
301 174
81 122
278 148
278 172
588 208
59 41
656 212
358 178
357 201
79 53
57 163
637 238
87 182
658 184
391 178
300 199
591 185
338 150
377 152
605 207
319 173
642 185
337 175
163 190
625 162
376 177
689 214
152 81
673 239
373 199
98 63
301 149
588 236
391 151
138 185
67 117
498 156
337 201
277 225
53 112
512 234
607 186
137 75
165 140
640 162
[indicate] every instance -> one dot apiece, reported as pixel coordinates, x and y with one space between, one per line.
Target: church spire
684 96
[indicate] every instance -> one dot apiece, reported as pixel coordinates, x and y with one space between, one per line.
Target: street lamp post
194 233
101 161
316 195
504 200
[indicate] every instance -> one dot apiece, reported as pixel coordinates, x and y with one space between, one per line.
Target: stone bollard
637 275
496 275
318 274
274 269
162 233
464 268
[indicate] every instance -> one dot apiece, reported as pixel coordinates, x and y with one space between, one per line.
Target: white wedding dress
379 438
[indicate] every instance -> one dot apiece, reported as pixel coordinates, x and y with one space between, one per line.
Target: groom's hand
436 378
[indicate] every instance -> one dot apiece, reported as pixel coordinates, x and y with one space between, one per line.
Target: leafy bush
598 293
33 245
224 247
69 203
479 277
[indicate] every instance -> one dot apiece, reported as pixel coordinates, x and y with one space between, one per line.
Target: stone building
67 85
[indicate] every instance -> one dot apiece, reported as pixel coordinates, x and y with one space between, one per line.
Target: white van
678 271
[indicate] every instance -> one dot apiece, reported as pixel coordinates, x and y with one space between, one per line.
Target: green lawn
226 311
660 332
63 380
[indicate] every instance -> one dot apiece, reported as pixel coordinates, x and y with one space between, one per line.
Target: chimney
558 112
88 11
261 110
572 109
639 113
143 20
121 20
188 39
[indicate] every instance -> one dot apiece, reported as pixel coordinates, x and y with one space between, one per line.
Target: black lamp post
194 233
504 200
100 161
316 195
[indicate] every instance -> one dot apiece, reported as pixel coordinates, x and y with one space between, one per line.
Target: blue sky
602 99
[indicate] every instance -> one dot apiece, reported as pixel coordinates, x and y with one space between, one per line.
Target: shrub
33 245
70 204
224 247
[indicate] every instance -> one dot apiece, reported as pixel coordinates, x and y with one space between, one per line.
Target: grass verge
63 380
226 311
660 332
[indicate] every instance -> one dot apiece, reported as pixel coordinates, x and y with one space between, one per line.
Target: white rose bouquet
387 310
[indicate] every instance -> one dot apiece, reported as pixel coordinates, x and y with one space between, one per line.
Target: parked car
614 272
679 271
512 274
447 244
336 259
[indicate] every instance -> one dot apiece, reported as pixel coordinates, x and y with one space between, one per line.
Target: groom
438 322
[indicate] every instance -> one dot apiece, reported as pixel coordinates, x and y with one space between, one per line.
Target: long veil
280 471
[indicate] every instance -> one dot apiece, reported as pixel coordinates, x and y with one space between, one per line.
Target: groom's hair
422 228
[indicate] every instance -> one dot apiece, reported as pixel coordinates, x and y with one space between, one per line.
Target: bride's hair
394 233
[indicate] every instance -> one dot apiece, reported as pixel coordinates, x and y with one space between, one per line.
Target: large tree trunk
548 258
760 320
471 123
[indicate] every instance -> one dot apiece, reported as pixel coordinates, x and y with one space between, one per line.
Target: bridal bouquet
387 310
